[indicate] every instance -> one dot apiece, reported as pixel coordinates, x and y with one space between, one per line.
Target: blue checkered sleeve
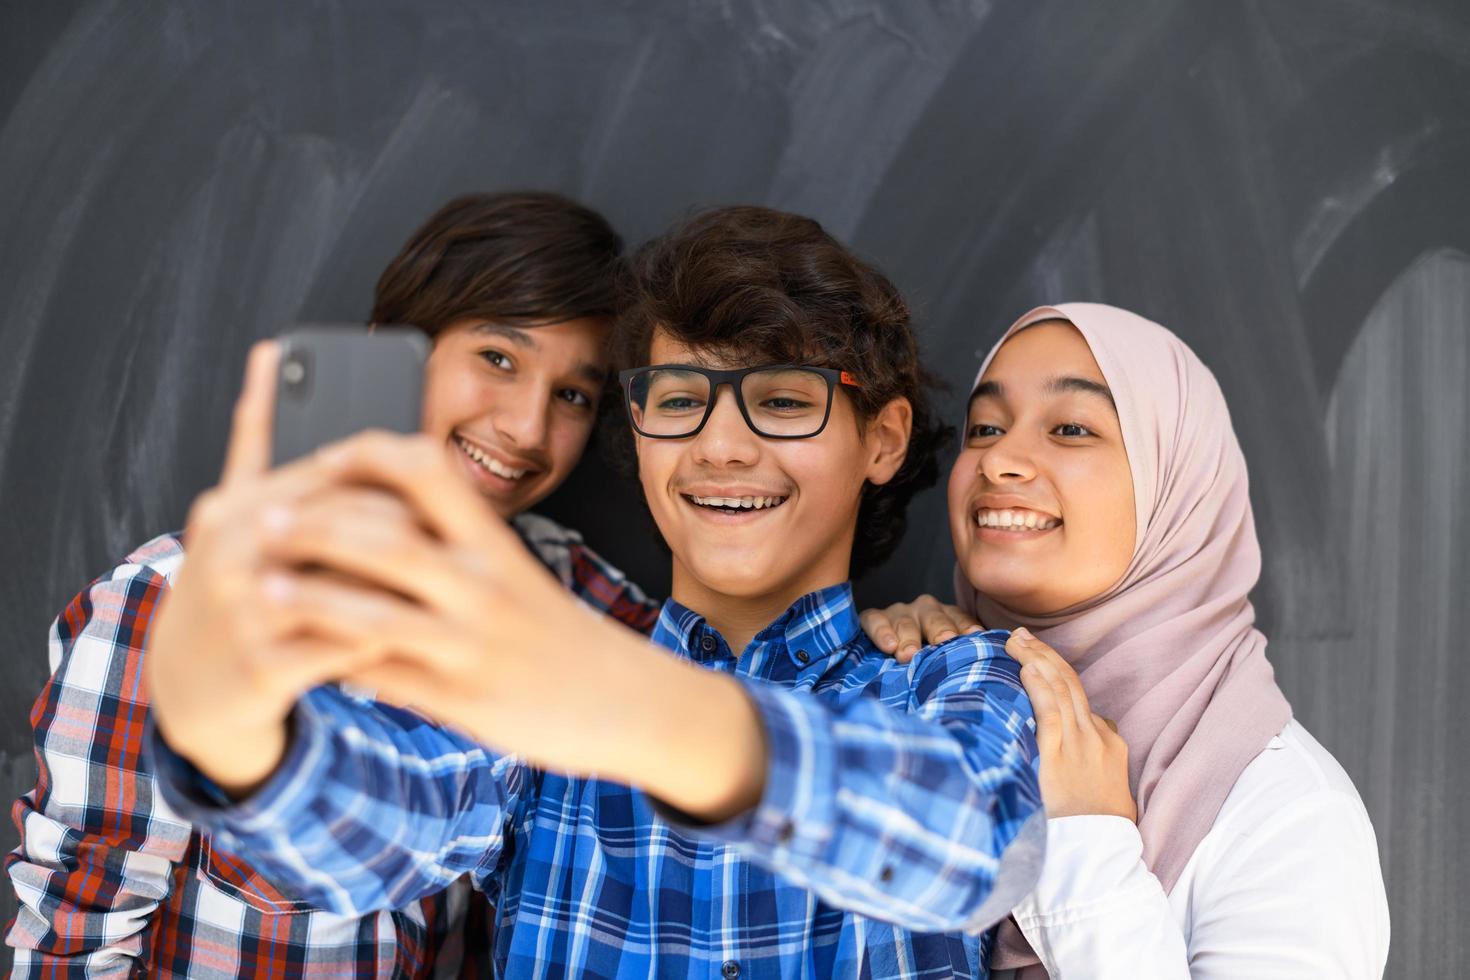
925 813
332 823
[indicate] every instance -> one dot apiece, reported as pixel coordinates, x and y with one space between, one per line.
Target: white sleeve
1298 896
1097 912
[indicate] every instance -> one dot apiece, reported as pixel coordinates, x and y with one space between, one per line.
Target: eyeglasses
782 401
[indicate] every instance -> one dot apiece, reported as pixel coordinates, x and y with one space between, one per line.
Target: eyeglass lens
789 402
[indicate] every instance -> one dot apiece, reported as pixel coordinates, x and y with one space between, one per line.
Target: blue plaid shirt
901 818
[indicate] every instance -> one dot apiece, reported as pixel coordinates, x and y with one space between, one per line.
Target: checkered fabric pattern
114 883
901 818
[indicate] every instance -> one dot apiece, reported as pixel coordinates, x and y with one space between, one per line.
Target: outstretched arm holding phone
761 733
429 601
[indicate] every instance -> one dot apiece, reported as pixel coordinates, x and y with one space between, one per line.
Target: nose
1007 460
725 439
522 421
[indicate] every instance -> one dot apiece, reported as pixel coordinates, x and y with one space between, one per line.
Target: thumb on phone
249 451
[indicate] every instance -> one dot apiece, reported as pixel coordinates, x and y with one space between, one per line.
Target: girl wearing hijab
1099 509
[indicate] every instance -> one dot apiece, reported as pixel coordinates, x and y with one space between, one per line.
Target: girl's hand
904 628
1084 762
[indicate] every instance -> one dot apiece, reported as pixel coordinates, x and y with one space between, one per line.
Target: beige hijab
1170 652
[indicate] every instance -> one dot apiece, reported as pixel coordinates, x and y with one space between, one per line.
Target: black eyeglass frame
733 378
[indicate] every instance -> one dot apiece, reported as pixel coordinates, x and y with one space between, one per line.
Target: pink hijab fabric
1170 652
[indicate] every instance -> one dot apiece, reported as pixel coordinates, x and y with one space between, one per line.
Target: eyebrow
1054 386
592 373
515 335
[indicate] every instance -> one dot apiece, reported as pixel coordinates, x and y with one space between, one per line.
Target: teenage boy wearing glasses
760 793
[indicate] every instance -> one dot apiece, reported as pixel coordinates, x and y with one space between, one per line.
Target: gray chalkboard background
1286 183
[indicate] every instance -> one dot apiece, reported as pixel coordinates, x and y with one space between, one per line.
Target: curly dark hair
766 287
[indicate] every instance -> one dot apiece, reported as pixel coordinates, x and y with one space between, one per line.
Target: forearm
1296 895
910 819
689 737
363 794
110 962
1096 898
887 814
82 912
92 868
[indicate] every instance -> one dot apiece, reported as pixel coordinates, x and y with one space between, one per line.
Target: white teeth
1016 520
491 464
738 503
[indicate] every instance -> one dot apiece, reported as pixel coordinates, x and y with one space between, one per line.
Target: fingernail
911 648
946 636
1021 633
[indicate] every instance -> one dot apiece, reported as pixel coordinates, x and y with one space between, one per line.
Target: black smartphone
334 381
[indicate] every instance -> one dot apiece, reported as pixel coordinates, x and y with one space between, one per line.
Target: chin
1012 591
735 577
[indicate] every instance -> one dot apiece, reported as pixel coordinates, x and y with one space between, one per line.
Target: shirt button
786 833
886 875
730 970
802 656
707 642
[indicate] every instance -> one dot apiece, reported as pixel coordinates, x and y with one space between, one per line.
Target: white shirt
1285 884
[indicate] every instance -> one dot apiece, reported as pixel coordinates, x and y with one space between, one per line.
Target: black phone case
335 381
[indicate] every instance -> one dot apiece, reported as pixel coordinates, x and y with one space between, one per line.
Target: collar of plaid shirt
810 638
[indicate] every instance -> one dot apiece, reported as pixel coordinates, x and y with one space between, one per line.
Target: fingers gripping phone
335 381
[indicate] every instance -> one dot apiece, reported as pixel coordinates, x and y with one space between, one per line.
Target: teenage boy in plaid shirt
517 292
760 793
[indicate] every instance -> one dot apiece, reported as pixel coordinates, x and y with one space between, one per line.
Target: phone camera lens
294 372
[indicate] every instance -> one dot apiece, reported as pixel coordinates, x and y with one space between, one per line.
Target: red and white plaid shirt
112 883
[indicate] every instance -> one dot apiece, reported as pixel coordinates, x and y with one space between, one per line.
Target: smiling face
515 405
762 519
1041 499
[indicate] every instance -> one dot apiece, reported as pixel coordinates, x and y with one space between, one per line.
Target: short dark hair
765 286
520 257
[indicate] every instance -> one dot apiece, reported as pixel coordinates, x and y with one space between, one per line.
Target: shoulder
158 559
550 541
969 672
1293 814
586 573
1294 834
1293 772
118 605
152 565
975 658
538 531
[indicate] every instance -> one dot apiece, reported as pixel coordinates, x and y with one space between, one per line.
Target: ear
887 438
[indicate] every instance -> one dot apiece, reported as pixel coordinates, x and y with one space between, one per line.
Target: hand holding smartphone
334 381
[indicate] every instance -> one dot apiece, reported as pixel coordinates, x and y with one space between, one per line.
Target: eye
497 359
1073 430
785 404
578 399
679 403
983 430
